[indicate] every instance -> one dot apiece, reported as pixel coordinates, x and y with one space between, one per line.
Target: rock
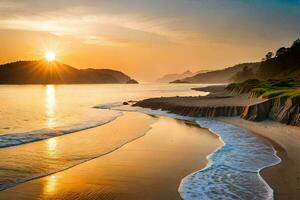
283 110
132 81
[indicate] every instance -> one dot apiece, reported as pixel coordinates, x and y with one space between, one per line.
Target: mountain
285 64
218 76
172 77
42 72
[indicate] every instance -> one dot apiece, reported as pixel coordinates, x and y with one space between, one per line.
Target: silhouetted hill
42 72
173 77
285 64
219 76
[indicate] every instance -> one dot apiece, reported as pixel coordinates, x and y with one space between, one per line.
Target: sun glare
50 56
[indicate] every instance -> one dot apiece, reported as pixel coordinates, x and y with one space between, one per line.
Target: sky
147 38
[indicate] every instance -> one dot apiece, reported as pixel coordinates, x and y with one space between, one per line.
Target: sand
149 168
217 98
285 177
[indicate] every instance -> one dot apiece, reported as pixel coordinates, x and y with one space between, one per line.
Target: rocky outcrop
193 111
284 110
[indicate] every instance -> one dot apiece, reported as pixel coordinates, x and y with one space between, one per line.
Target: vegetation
224 75
285 64
245 73
289 88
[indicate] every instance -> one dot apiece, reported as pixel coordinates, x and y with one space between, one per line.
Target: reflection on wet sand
24 162
50 186
148 168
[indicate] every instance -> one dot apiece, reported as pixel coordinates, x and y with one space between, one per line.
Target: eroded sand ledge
222 103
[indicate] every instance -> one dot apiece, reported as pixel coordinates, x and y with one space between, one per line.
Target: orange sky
146 39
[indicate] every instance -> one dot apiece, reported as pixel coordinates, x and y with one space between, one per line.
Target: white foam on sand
233 170
13 139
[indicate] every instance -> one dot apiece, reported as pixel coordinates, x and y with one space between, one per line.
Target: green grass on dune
288 88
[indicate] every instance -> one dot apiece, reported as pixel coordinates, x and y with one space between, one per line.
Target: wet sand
149 168
24 162
285 177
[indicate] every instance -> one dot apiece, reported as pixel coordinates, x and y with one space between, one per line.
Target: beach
150 167
225 106
154 156
285 177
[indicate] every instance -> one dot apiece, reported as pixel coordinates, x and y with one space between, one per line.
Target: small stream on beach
233 171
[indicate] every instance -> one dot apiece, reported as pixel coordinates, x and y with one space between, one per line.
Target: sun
50 56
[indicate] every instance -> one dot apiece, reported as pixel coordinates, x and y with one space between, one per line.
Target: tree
269 55
296 43
281 51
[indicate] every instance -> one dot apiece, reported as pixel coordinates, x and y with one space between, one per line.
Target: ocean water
34 112
233 171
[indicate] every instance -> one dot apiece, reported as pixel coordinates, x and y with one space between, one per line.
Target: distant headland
43 72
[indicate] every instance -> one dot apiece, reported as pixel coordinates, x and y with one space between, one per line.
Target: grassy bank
287 88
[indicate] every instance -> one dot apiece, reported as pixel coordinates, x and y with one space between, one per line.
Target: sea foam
233 170
13 139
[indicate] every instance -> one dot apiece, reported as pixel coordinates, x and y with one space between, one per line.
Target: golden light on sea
51 145
50 105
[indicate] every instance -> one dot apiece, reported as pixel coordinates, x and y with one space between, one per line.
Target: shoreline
143 169
190 192
283 178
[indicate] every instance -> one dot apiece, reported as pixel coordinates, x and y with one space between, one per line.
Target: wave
14 139
233 171
44 164
108 105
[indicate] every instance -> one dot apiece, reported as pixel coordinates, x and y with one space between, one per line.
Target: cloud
167 21
82 20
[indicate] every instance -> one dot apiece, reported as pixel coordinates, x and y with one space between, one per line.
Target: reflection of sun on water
51 145
50 186
50 106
